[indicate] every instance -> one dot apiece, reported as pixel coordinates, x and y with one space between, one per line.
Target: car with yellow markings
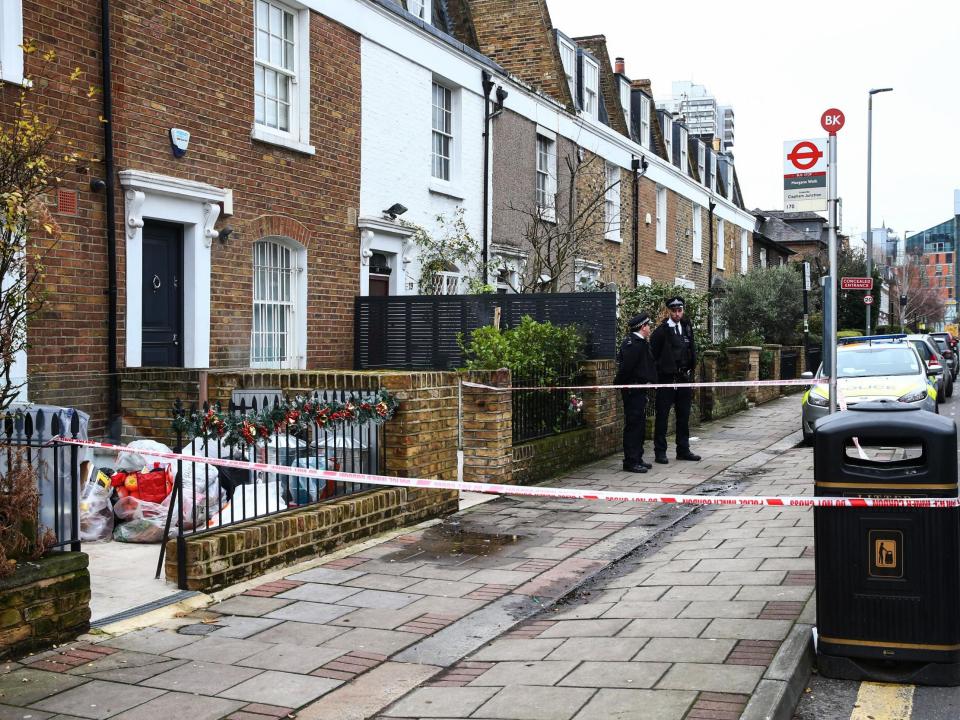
881 367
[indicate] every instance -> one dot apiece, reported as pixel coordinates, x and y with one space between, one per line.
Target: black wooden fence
419 332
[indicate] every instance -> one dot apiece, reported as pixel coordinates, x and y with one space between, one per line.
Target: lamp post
869 175
902 278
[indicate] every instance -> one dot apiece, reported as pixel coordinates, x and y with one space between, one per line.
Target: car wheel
950 389
941 392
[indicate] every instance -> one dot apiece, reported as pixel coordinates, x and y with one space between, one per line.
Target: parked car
934 360
880 367
948 355
952 345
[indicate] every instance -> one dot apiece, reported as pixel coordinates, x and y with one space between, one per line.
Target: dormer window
713 172
684 162
591 87
645 121
668 136
625 103
729 181
568 56
702 161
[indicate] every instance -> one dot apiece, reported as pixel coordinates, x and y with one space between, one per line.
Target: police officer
676 356
635 366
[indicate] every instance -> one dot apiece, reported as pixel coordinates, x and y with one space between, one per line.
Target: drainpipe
487 83
639 167
710 208
114 427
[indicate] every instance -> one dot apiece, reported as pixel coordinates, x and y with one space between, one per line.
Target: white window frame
744 252
713 172
447 282
293 305
439 131
684 157
625 103
668 136
697 234
420 8
763 257
591 95
729 180
546 173
611 202
568 58
297 136
645 122
661 219
702 162
11 38
720 245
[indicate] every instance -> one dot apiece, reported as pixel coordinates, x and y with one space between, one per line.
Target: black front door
162 295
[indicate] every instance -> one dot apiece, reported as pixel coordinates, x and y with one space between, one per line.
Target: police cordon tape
654 386
532 491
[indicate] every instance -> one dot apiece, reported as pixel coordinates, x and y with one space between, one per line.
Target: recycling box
888 579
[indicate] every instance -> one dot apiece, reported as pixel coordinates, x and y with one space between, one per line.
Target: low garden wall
421 441
44 603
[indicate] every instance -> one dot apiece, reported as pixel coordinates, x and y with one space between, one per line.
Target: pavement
517 608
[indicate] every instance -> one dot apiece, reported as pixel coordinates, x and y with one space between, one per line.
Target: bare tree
33 156
561 229
924 301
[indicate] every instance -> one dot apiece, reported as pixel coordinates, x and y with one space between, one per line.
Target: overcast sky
780 65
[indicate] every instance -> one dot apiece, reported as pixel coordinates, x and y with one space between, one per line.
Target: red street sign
832 120
856 283
804 155
868 299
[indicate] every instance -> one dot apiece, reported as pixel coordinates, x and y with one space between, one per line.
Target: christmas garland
297 416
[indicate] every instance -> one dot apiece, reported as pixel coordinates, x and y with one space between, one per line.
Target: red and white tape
654 386
535 491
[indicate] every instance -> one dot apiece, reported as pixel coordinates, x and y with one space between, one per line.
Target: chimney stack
619 66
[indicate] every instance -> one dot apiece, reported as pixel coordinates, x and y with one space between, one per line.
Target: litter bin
888 579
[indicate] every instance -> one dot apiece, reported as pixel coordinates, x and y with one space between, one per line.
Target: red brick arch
278 225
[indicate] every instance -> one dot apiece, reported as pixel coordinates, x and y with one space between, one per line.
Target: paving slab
382 642
654 609
319 593
637 705
701 592
184 706
325 575
249 605
239 626
281 689
368 694
519 702
376 581
443 588
545 672
380 599
601 628
590 649
9 712
24 686
98 699
214 649
723 609
709 677
292 658
441 702
650 628
310 612
136 674
685 650
150 640
609 674
298 633
200 678
767 593
378 618
510 649
748 629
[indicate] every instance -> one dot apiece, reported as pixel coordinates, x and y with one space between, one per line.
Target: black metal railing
26 437
210 498
541 413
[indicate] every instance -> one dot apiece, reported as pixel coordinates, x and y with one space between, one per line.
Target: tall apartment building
703 116
933 251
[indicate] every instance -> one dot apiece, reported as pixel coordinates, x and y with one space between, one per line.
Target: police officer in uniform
676 356
635 366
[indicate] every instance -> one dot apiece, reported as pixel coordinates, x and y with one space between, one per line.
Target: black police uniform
676 356
635 367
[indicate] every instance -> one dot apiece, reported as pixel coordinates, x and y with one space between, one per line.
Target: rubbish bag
152 485
96 513
134 462
250 501
143 521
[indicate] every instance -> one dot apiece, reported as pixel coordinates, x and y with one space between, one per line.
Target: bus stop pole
832 250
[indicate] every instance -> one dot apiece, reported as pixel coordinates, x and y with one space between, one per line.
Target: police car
878 367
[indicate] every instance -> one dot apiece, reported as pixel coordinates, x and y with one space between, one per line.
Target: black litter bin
888 579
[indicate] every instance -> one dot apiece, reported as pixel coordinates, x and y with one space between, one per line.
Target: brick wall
768 393
487 427
44 603
159 82
719 402
656 265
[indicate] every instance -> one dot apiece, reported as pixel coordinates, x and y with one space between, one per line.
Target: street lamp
869 174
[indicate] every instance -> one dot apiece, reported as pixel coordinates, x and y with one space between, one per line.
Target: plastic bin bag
96 513
134 462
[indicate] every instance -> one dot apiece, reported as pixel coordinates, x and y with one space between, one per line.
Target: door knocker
156 282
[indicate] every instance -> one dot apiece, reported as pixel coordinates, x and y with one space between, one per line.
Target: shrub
19 503
766 365
764 303
651 299
531 349
849 333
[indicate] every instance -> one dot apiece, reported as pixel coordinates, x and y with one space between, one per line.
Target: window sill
614 238
444 188
266 135
698 261
662 250
15 79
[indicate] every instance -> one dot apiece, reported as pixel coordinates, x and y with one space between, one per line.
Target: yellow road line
880 701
